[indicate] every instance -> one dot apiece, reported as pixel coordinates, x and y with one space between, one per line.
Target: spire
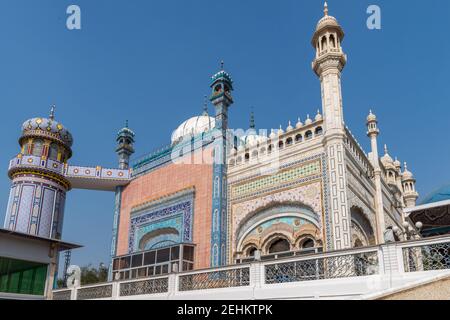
252 120
126 124
52 112
205 106
222 65
325 8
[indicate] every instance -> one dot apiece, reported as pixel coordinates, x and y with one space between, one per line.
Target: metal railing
95 292
142 287
326 267
433 256
409 260
227 278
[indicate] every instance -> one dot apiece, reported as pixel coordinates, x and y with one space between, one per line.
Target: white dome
192 127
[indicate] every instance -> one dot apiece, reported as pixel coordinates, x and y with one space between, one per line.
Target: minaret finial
385 149
222 64
126 123
252 119
325 8
205 106
52 112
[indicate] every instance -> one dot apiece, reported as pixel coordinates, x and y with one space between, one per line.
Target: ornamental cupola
125 142
221 98
388 163
410 194
47 138
327 41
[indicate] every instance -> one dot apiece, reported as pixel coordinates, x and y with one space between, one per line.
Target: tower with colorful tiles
39 185
124 150
328 64
222 86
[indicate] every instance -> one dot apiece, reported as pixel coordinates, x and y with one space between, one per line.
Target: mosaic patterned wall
35 207
172 213
303 183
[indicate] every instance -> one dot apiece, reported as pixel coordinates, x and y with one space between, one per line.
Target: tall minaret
222 86
125 141
372 133
39 185
328 64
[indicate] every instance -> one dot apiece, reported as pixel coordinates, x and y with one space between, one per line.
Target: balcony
361 273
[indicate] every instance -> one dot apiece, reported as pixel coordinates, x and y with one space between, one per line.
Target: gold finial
222 64
325 8
52 112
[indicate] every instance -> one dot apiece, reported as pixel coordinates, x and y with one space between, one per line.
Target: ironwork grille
99 292
62 295
151 286
427 257
354 265
214 280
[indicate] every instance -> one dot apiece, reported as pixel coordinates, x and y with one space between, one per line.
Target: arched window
232 163
239 160
289 141
255 154
247 157
251 251
298 138
307 243
53 152
37 147
262 151
308 135
324 43
279 245
269 150
280 145
332 41
319 131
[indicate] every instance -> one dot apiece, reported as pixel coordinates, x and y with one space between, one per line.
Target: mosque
216 196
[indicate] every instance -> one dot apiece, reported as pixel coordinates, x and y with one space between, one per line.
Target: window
37 147
53 152
280 145
308 135
22 277
251 251
279 245
307 243
319 131
289 141
298 138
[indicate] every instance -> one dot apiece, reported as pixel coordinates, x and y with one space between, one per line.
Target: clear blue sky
150 61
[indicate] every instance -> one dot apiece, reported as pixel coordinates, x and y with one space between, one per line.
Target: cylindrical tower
38 191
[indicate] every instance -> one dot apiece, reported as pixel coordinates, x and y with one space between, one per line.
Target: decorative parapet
34 162
276 147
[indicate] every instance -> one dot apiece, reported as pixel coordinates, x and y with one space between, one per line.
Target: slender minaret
372 133
221 98
328 65
39 186
125 141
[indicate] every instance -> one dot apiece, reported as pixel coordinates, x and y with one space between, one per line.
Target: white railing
344 274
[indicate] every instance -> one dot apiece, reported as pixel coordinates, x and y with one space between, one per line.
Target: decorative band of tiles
282 177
